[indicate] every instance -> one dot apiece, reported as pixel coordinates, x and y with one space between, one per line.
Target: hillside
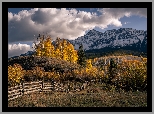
29 62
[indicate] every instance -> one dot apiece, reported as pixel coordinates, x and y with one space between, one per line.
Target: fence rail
29 87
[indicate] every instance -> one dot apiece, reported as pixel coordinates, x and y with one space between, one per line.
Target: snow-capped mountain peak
111 38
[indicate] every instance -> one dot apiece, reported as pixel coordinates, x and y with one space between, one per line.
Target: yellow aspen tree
38 51
70 49
64 50
64 43
45 47
59 48
42 45
65 55
57 53
39 48
75 56
49 48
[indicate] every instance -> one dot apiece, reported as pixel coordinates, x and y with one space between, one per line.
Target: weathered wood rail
29 87
117 59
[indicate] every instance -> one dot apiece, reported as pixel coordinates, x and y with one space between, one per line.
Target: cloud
63 23
120 12
17 49
126 23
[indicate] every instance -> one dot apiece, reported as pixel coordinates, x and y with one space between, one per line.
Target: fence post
109 61
118 60
22 88
105 60
42 85
53 84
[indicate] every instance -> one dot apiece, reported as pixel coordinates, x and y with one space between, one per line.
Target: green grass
94 96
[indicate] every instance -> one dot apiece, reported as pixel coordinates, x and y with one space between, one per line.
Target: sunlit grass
93 96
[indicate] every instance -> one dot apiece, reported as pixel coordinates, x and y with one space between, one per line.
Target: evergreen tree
112 64
112 70
81 56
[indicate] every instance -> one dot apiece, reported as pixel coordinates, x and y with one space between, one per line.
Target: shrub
132 75
15 74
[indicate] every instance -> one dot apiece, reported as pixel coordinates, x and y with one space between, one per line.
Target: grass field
94 96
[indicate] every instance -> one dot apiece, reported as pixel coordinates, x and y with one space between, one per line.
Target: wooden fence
29 87
117 59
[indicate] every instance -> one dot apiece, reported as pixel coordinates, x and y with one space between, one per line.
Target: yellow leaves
65 57
70 46
134 64
62 50
93 71
38 71
133 72
48 48
89 65
56 76
50 74
45 48
15 73
101 73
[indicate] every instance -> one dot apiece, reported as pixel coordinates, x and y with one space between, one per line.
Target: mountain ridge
112 38
123 38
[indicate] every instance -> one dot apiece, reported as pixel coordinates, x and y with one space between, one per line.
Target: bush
132 76
15 74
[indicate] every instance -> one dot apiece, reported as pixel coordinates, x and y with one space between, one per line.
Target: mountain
29 53
123 38
135 41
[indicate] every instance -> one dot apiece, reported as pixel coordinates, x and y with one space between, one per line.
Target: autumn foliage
62 49
59 61
15 74
132 75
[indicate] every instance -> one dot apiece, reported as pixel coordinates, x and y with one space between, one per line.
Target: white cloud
126 23
17 49
63 23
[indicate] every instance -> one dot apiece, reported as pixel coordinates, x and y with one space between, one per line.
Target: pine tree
112 70
81 56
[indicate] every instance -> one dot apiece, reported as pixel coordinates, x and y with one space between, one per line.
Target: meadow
96 95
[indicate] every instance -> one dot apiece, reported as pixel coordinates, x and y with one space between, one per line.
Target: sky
24 24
